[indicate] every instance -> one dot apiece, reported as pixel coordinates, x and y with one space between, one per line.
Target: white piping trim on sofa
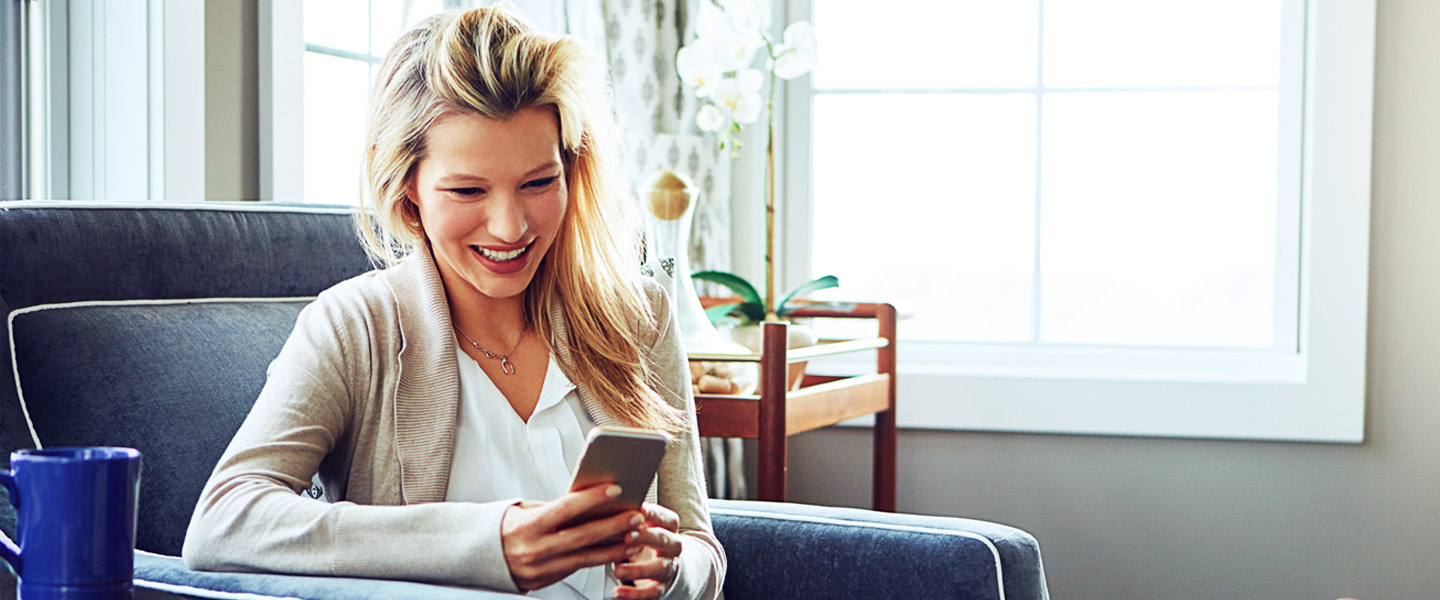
153 204
15 362
995 552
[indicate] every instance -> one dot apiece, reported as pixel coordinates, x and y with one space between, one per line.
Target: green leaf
735 282
720 311
819 283
744 312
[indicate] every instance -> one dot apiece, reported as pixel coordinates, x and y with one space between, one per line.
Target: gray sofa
151 325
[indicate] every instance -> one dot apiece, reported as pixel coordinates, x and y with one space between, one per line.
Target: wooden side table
776 413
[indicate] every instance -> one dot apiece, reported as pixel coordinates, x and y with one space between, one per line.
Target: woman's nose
507 221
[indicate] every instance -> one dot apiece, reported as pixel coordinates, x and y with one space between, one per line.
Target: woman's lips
503 267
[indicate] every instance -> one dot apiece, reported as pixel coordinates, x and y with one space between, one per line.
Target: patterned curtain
639 39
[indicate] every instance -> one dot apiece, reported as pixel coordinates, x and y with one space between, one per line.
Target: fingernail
612 492
632 536
632 551
636 520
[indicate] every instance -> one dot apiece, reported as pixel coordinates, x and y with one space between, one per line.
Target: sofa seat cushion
168 573
173 379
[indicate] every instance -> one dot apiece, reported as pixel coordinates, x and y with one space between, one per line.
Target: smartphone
623 455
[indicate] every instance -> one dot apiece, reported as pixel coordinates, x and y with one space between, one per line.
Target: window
344 44
1105 216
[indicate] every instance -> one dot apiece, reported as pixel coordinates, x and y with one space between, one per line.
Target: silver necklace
506 366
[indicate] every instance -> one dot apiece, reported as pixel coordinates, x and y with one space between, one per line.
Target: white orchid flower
711 22
732 46
796 55
740 96
734 52
751 15
750 80
738 16
711 119
698 69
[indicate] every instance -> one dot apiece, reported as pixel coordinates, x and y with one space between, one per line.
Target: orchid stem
770 307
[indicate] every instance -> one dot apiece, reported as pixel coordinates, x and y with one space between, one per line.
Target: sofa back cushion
74 251
53 252
67 251
173 379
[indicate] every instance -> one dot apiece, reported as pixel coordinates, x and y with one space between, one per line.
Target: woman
512 300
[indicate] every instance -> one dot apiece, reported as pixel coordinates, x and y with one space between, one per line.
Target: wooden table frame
774 413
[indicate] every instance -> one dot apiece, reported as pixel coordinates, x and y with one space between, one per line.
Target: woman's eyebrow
454 178
545 167
457 178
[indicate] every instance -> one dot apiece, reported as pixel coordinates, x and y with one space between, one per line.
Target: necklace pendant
505 366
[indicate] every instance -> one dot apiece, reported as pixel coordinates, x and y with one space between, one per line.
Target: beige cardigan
364 398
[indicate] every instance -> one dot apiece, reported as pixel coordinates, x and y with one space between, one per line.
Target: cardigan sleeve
253 514
681 481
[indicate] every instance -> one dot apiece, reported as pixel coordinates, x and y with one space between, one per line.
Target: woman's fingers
660 569
666 543
537 543
538 552
566 508
532 574
591 557
543 543
644 589
646 576
609 530
652 571
659 516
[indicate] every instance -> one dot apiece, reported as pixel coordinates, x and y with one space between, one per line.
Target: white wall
1156 519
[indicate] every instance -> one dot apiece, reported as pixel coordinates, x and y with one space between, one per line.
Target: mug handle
8 550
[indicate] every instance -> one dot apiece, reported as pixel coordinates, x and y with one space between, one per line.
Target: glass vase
670 200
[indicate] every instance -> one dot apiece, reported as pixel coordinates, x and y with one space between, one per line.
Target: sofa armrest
168 573
787 550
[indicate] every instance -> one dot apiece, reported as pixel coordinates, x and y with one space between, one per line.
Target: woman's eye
467 191
542 183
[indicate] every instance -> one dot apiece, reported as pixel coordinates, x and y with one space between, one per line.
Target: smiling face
492 198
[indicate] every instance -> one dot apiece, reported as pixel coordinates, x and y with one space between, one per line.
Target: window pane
926 44
1161 42
927 201
341 24
390 18
1158 218
335 103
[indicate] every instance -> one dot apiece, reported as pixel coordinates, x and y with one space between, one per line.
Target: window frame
103 81
1316 394
281 73
14 102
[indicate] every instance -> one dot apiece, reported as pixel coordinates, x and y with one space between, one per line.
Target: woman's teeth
502 256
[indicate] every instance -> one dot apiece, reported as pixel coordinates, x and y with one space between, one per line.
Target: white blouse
498 456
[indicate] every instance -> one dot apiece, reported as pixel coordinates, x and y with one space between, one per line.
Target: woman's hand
539 553
649 573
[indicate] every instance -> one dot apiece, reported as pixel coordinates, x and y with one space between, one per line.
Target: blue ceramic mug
76 525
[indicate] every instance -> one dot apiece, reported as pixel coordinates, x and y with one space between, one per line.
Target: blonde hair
490 62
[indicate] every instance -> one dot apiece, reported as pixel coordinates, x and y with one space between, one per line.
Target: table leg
883 473
772 438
